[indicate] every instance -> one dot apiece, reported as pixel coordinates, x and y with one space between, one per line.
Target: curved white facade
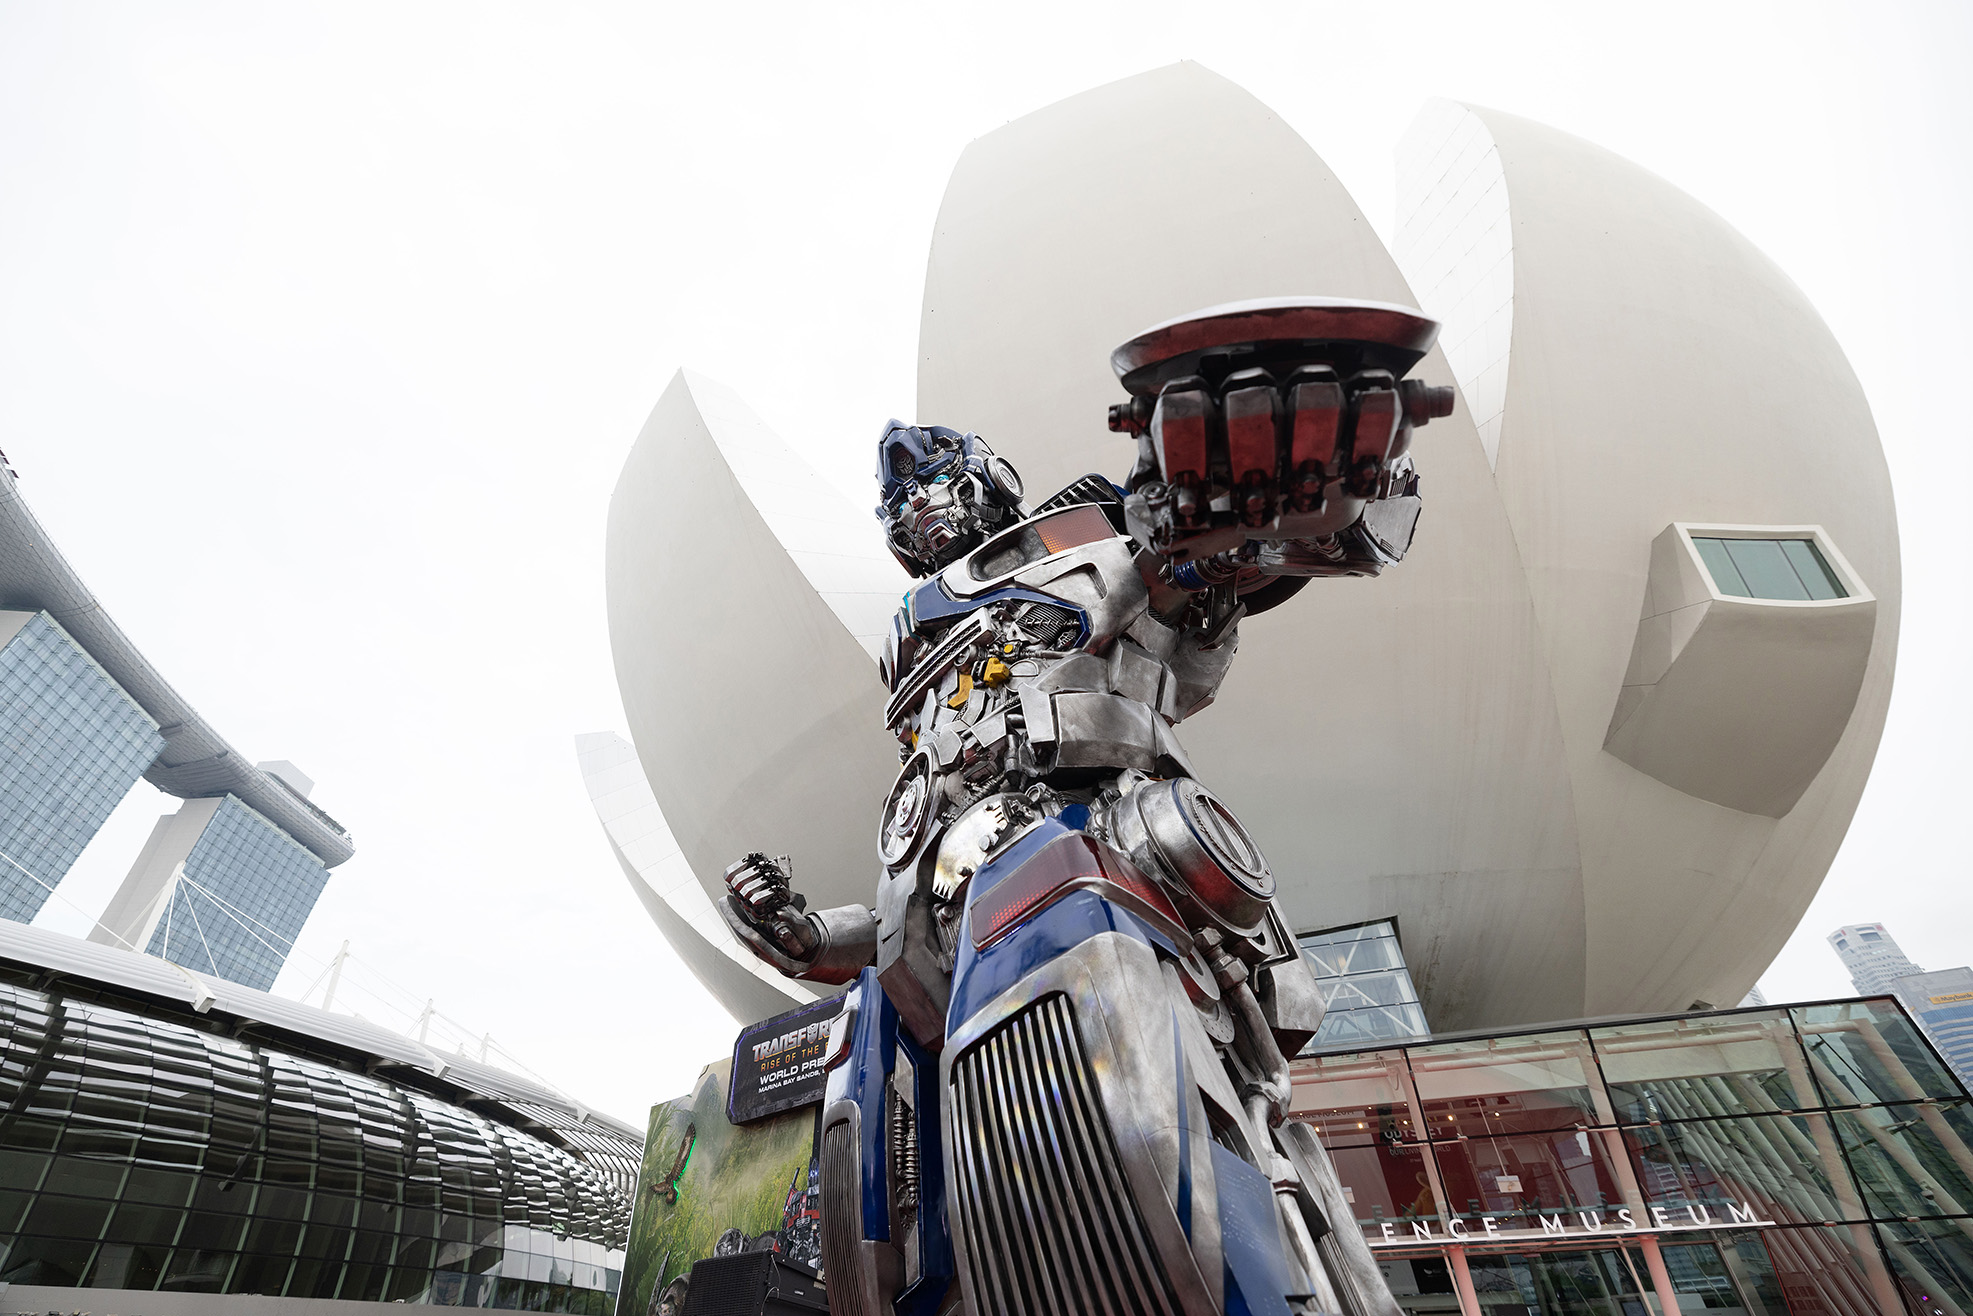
1429 745
756 711
643 847
1663 371
1455 243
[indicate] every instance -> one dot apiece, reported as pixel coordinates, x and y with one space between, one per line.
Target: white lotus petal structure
744 655
1593 744
663 881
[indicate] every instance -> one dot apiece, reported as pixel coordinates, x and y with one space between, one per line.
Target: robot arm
830 946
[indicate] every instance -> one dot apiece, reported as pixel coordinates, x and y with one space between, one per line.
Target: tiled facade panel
246 891
72 744
142 1153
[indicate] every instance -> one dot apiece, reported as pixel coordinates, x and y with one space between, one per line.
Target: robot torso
1040 653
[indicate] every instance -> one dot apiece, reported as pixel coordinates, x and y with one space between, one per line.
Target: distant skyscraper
1872 958
72 744
1940 1002
218 889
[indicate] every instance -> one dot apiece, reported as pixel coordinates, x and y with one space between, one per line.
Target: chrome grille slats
1124 1227
842 1222
1145 1276
983 1246
1060 1157
1017 1185
1002 1253
1047 1216
1012 1253
1018 1132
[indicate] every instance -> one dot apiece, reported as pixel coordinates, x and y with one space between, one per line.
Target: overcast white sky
324 330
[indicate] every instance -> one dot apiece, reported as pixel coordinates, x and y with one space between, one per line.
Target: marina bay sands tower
224 884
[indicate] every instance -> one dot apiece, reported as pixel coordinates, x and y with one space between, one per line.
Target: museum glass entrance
1776 1162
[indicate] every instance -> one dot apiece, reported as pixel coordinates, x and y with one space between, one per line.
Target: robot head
943 492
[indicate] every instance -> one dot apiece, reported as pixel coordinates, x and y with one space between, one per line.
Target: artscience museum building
1587 757
1592 749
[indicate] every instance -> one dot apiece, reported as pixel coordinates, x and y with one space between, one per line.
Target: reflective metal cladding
210 1145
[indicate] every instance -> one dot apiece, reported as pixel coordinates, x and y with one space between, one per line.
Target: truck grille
842 1224
1049 1223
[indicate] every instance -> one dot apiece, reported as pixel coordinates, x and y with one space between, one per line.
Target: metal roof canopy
56 958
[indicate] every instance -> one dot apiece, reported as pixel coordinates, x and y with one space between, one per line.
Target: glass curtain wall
1813 1159
239 903
1366 988
72 744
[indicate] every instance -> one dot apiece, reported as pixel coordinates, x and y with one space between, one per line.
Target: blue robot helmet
917 454
942 492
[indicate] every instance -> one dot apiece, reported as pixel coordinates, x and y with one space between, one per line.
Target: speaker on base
753 1284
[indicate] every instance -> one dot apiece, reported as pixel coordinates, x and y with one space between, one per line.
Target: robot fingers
762 897
758 883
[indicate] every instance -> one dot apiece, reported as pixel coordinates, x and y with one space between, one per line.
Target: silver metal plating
1183 829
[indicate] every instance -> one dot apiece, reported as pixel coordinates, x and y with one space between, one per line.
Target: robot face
942 491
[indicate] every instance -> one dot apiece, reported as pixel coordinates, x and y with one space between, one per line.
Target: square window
68 1217
57 1262
1867 1052
1779 1167
145 1224
1743 1063
1790 568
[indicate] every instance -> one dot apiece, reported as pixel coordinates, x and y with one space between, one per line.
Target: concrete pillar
1462 1281
1661 1279
139 904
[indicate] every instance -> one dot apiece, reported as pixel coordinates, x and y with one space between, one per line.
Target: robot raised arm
762 909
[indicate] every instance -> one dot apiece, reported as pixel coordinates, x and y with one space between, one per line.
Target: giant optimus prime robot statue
1060 1078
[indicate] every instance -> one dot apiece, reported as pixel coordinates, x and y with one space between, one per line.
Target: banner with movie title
777 1063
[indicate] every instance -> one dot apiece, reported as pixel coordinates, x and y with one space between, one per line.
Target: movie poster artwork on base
710 1187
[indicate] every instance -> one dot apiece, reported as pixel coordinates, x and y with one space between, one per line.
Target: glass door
1608 1281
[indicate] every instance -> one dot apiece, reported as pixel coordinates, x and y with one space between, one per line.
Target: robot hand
1296 446
758 891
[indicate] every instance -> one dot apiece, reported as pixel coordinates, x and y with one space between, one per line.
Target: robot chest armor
1059 583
